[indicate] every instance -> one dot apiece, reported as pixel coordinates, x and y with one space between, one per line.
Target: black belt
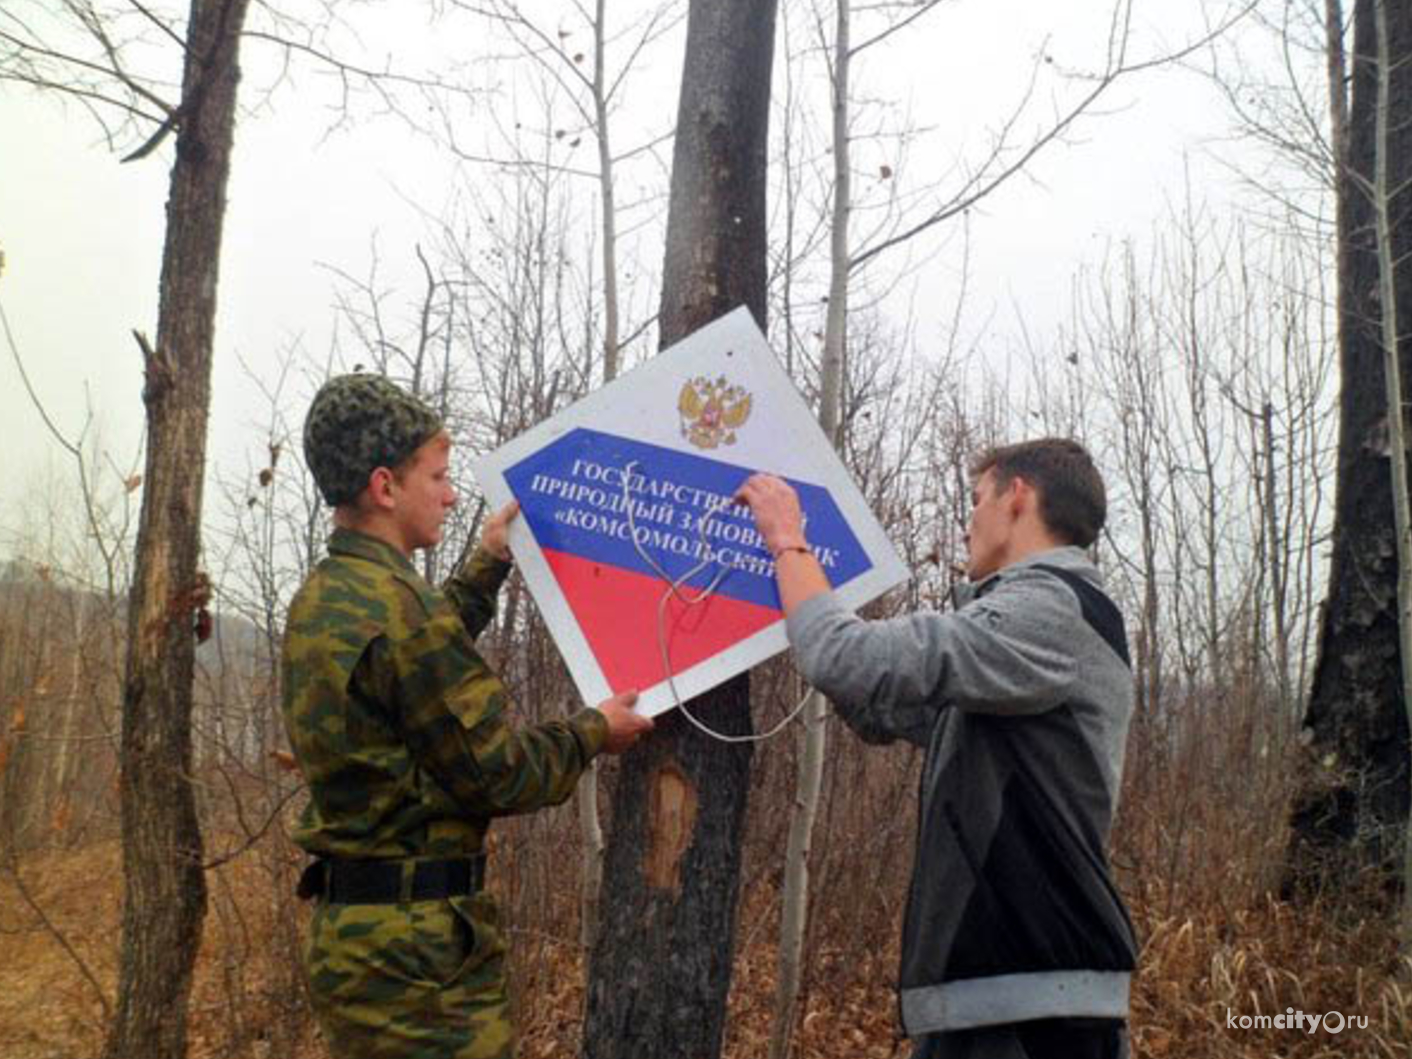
380 882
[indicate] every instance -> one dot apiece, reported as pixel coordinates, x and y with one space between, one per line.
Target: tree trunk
813 733
164 896
1383 194
1276 559
590 827
1351 813
661 966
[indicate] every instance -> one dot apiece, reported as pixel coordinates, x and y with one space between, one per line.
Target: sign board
632 485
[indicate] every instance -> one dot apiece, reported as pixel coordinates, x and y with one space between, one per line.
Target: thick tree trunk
164 897
1383 195
661 967
1351 814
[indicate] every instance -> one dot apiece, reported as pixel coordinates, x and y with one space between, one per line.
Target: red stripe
617 611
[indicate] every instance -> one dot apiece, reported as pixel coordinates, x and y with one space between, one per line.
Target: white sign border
709 351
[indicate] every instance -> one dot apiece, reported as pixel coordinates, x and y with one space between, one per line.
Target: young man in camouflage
406 740
1016 943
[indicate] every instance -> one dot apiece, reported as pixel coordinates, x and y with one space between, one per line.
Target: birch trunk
813 733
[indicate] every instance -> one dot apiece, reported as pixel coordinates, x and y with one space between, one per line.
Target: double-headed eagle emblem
712 410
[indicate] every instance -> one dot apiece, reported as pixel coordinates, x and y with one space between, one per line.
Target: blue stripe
571 493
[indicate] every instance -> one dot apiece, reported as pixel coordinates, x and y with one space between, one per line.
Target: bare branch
927 8
346 69
69 447
982 186
28 48
160 25
13 868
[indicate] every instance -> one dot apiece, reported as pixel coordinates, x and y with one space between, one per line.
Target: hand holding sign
776 509
495 536
625 725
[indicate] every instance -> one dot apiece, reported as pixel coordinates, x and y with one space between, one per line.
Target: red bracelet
794 548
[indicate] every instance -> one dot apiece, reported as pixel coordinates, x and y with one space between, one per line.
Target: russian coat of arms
712 410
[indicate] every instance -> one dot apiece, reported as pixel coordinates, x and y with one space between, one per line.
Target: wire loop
674 588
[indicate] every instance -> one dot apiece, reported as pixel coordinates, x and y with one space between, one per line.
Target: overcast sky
82 233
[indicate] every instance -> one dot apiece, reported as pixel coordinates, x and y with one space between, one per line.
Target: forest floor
62 908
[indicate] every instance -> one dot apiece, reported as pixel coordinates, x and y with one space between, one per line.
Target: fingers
775 505
625 725
767 493
635 723
759 486
503 517
495 537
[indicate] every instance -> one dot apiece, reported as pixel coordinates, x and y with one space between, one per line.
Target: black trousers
1041 1039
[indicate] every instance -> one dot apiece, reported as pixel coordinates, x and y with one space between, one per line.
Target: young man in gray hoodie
1016 943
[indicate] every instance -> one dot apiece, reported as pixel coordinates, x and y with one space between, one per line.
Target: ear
1020 497
380 493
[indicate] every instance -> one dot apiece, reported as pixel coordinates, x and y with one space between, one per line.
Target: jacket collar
1067 556
373 549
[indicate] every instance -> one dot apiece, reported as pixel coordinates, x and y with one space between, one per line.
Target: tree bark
661 967
164 895
590 826
1382 195
813 732
1351 812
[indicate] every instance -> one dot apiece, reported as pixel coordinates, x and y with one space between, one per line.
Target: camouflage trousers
423 979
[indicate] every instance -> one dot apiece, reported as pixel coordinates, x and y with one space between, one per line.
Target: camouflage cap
358 423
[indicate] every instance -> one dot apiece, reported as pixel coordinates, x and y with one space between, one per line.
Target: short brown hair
1072 500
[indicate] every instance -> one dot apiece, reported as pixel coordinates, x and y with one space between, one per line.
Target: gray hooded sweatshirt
1022 699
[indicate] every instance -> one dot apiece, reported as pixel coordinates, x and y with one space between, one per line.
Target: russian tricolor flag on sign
628 541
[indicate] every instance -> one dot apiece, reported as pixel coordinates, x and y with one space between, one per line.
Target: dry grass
1198 872
1268 959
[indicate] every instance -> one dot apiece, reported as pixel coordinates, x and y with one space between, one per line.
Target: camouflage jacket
401 730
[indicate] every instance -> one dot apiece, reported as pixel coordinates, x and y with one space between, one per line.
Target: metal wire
674 589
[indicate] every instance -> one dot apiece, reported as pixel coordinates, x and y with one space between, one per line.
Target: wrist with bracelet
803 548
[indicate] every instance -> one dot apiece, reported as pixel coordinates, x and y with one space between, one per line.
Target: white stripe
1015 998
